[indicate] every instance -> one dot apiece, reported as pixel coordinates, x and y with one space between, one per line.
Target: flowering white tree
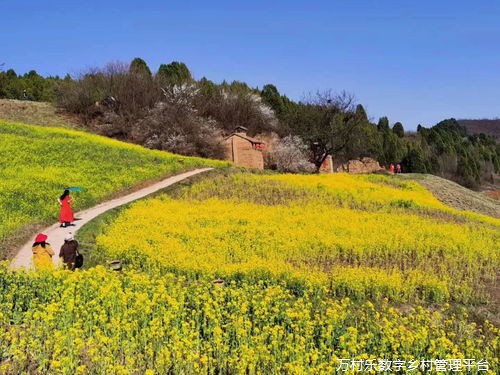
290 154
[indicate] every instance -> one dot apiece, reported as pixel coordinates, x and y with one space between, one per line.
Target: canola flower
360 192
36 163
339 231
316 269
101 322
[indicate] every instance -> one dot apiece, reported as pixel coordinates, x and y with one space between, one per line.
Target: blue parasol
74 188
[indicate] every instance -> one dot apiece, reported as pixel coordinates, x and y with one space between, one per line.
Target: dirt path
56 234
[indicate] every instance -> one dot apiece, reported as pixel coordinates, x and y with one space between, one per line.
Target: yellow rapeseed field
357 236
36 163
101 322
321 275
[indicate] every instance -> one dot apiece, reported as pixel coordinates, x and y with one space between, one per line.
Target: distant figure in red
391 168
398 168
66 216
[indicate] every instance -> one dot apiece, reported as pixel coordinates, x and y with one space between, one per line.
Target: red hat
40 237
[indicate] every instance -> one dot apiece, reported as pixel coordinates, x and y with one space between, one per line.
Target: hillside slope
37 163
371 242
310 227
39 113
490 127
457 196
58 234
240 273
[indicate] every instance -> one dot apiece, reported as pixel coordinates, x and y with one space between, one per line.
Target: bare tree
328 122
115 89
187 117
232 107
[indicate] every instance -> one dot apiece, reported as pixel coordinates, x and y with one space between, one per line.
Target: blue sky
413 61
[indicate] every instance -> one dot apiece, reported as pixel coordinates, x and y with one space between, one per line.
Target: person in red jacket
391 168
66 215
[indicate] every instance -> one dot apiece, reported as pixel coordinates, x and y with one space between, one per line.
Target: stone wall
364 165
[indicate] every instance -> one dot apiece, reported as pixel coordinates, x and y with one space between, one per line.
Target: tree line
170 110
29 86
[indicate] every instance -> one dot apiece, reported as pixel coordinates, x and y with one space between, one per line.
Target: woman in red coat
66 216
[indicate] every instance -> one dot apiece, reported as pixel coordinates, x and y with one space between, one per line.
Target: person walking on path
68 252
24 255
42 253
66 216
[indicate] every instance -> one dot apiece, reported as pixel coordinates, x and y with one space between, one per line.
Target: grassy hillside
36 163
458 196
39 113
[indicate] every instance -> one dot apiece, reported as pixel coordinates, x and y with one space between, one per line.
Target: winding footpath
56 234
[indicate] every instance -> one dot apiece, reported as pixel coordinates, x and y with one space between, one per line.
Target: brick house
244 151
